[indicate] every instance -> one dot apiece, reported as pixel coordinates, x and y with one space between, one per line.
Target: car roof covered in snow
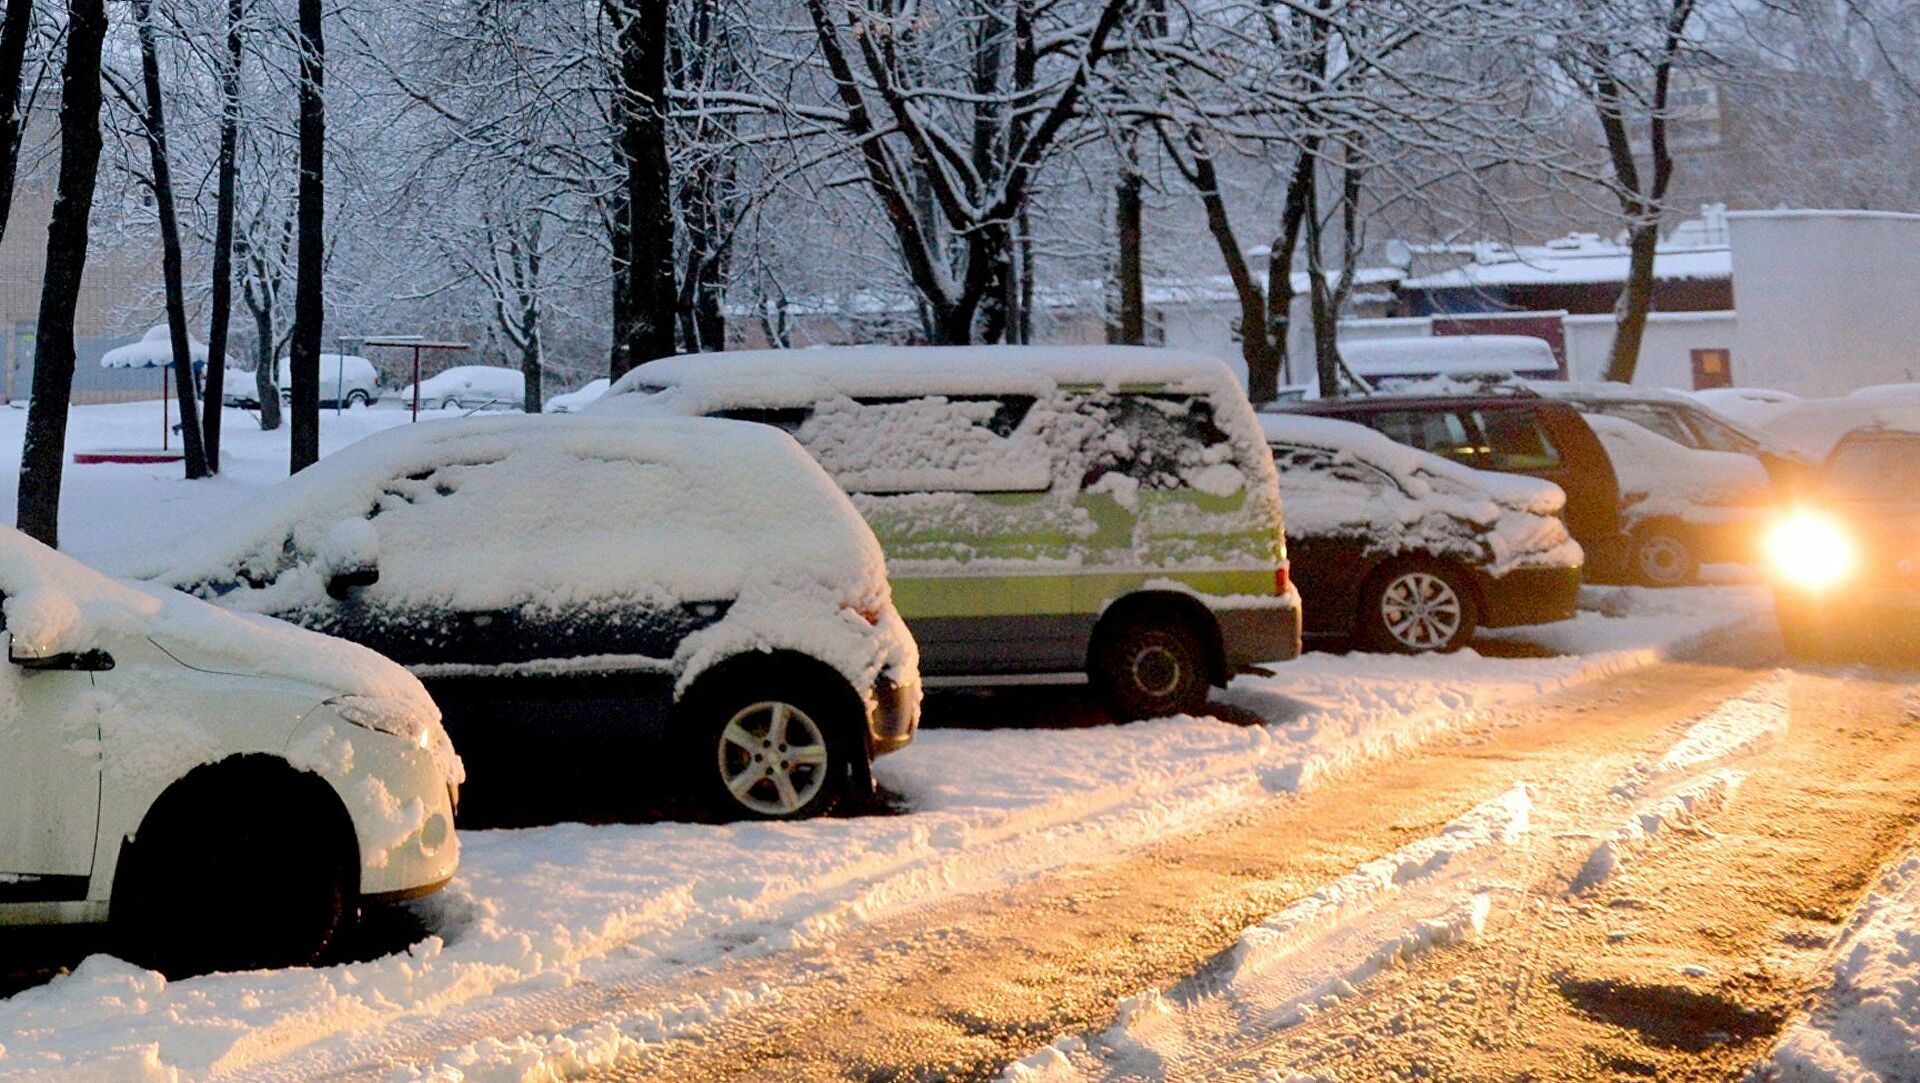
55 605
791 378
467 375
1407 465
1421 355
544 510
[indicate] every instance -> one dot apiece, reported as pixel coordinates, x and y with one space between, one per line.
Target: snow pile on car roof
565 514
1814 426
1662 479
1425 503
57 605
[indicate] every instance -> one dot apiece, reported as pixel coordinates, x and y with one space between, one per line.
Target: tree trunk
1280 267
1326 317
651 295
14 33
172 269
41 458
222 300
264 386
309 303
1130 328
530 361
1636 301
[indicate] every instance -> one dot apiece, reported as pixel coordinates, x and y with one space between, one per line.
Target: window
1873 469
1716 436
1157 439
1654 419
786 420
1442 432
1515 441
928 443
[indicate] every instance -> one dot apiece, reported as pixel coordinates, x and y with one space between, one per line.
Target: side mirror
93 661
349 557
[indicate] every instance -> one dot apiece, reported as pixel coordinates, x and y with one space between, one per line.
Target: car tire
243 871
1663 556
358 398
1416 607
770 741
1148 665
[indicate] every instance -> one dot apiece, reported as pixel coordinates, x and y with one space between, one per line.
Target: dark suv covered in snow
1508 433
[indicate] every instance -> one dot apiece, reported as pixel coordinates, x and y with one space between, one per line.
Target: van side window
1159 439
1442 432
1515 440
927 444
786 420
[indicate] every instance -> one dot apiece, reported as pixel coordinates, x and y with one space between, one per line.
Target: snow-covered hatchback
225 789
1048 513
601 609
1406 551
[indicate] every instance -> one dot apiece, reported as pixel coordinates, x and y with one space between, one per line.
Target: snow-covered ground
541 923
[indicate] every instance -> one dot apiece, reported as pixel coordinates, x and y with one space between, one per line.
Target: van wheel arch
1169 605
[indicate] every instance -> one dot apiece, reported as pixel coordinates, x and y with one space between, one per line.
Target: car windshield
1877 469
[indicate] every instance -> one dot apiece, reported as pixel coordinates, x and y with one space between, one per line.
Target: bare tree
645 264
15 30
226 169
38 513
309 301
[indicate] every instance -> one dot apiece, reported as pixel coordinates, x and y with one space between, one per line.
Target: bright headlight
1811 550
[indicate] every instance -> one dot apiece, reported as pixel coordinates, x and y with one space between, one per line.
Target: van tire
358 398
1448 626
758 702
1150 664
244 865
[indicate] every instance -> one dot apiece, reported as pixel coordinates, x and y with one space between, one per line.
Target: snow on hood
1814 426
1410 466
1494 521
1661 478
55 604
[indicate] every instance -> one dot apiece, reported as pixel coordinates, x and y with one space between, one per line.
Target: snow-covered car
226 790
1846 562
1750 406
1405 551
1682 507
575 401
345 380
598 607
1050 514
240 389
471 387
1680 418
1814 427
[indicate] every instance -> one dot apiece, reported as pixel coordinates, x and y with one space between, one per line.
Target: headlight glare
1811 550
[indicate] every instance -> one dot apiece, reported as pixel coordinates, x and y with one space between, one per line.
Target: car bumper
894 717
1527 596
1250 635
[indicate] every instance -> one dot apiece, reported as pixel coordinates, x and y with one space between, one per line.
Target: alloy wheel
773 758
1421 611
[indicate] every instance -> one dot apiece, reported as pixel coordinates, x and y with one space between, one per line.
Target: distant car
1681 419
671 607
1846 562
345 380
575 401
1050 514
1887 392
1405 551
225 790
1384 362
1510 432
239 389
471 387
1681 506
1814 427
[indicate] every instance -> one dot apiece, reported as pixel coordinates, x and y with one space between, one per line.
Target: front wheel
1418 607
1662 557
770 745
1150 668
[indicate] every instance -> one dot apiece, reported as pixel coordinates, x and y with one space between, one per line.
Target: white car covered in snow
1404 551
575 401
471 387
1682 507
608 611
345 380
227 790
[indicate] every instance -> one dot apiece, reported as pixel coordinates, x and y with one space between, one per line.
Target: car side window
786 420
1515 440
1651 418
1715 436
1442 432
1157 439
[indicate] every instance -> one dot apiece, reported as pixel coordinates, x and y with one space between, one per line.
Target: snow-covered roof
1581 259
1442 354
784 378
154 350
55 604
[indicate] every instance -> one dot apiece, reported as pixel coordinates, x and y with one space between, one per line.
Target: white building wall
1666 350
1829 300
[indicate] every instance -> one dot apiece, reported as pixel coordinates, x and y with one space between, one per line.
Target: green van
1049 514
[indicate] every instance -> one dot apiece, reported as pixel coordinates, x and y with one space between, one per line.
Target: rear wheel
1416 607
357 398
1150 666
240 873
771 742
1663 557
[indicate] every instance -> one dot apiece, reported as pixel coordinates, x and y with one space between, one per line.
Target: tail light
1282 579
